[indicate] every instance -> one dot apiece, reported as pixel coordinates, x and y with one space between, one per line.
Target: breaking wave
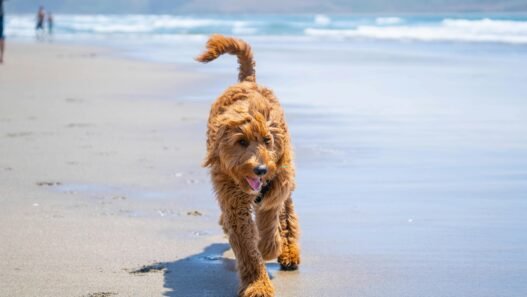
511 30
461 30
388 21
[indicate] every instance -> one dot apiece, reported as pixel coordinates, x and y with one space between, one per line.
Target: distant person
50 23
41 15
2 37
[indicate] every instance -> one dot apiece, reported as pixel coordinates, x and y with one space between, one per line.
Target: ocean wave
242 28
513 31
21 25
388 21
487 26
144 24
322 20
485 30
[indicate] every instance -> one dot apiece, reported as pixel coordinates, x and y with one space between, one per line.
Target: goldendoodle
251 162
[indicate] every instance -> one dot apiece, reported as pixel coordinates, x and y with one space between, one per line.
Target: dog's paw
259 288
290 258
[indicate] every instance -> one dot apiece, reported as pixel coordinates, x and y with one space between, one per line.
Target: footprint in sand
79 125
194 213
19 134
48 184
101 294
74 100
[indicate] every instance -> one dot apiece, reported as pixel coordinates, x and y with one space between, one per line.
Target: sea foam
461 30
503 30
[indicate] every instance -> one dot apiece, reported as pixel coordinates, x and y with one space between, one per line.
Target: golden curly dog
251 162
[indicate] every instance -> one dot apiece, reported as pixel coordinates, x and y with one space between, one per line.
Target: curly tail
219 45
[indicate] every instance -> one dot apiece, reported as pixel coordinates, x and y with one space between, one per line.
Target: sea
410 133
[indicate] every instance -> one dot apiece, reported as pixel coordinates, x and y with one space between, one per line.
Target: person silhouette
41 15
2 37
50 23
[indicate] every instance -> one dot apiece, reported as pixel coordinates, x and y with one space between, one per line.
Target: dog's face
248 145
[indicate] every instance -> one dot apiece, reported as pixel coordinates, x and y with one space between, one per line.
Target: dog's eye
267 140
243 142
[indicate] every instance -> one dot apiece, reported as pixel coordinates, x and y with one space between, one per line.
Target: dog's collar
262 193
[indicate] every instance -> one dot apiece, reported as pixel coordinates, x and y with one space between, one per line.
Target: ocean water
466 28
410 135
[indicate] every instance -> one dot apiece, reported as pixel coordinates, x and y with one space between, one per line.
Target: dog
250 158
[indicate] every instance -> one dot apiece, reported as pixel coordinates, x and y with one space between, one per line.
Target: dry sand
100 177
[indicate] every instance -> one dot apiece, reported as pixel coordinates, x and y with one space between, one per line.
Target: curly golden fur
248 150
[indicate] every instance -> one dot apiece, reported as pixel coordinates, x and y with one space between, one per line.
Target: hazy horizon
272 6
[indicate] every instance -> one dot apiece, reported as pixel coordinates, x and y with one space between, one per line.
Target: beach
410 160
91 155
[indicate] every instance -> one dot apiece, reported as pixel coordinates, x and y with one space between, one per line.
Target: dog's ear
283 149
209 160
216 133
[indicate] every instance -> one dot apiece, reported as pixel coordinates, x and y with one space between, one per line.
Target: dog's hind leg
238 222
289 259
270 242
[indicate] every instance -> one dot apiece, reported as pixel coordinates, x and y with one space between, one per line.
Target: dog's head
246 142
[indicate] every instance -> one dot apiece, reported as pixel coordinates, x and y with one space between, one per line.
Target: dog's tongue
254 183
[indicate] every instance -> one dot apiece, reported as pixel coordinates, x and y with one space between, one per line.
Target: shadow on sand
205 274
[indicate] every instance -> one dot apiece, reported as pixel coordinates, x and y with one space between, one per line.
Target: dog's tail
219 45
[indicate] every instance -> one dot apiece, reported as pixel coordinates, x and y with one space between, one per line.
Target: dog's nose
260 170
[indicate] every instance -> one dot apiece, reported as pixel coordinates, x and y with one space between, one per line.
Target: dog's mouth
254 182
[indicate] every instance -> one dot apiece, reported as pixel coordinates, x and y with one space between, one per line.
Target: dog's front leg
270 241
243 237
289 259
